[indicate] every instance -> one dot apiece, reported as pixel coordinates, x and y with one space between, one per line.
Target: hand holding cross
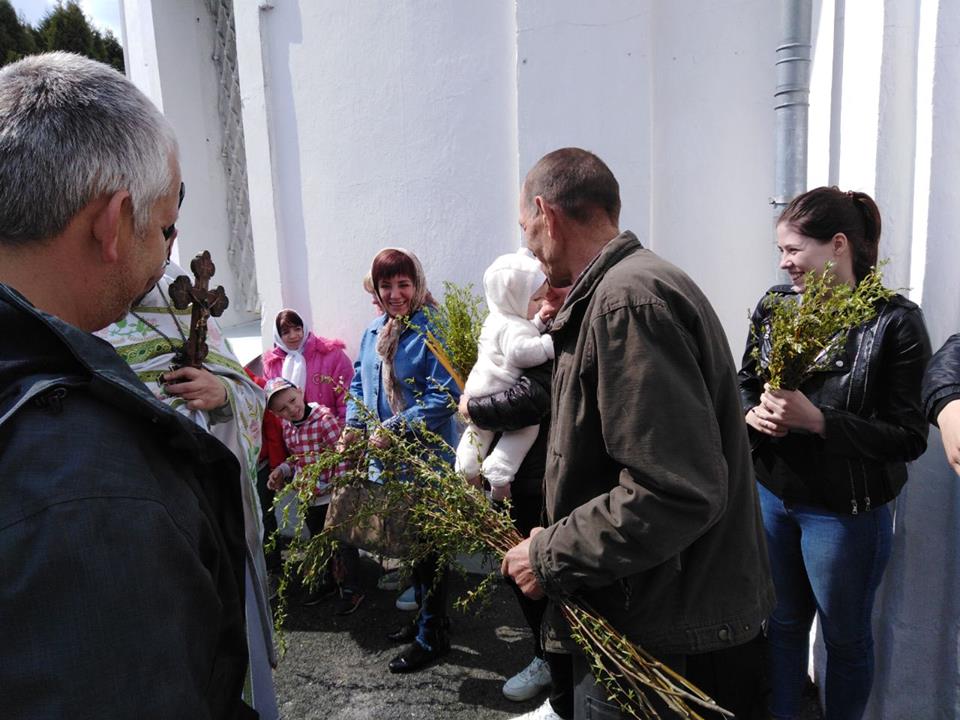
204 303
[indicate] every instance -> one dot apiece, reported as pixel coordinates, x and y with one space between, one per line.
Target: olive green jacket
649 484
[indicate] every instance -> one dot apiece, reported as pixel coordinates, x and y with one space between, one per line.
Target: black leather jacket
870 399
941 383
525 403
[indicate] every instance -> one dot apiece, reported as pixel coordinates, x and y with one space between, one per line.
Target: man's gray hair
575 180
71 130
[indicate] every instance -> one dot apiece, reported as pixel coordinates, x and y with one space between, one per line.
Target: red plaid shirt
306 439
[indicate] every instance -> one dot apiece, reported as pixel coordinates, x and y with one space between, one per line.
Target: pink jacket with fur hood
325 358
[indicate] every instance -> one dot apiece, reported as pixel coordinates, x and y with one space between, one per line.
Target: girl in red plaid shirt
308 430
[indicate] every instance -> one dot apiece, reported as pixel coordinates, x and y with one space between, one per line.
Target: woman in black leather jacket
831 454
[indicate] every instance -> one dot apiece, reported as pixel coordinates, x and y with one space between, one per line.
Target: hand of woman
348 436
790 410
759 420
200 388
464 410
381 439
476 481
500 492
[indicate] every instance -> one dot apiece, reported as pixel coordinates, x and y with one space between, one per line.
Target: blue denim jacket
430 393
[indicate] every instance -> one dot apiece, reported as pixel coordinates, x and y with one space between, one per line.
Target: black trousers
734 677
266 495
347 555
527 513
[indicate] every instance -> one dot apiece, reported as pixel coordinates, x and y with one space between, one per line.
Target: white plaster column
862 57
140 48
825 68
941 290
258 141
897 137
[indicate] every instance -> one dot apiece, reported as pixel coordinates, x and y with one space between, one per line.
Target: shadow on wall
915 620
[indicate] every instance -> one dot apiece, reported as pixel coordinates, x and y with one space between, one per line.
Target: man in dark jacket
121 528
649 485
941 397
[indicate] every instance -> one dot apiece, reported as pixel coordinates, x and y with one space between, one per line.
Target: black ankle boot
416 656
404 634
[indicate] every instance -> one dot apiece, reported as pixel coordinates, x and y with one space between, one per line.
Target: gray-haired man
649 488
121 537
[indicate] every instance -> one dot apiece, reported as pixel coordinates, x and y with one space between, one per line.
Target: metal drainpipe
791 102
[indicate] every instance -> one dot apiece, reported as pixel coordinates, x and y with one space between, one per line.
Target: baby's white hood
510 281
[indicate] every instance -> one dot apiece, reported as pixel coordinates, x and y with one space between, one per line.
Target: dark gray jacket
121 539
649 484
941 382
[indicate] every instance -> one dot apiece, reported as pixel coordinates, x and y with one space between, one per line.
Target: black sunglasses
169 231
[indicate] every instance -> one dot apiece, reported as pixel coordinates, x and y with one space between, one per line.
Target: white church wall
583 80
393 124
712 149
184 44
649 91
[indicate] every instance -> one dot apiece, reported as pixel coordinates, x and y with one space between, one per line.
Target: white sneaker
528 683
544 712
407 600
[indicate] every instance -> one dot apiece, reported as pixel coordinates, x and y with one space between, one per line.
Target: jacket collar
50 350
623 245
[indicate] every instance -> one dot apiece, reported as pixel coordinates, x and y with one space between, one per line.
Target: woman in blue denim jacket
403 384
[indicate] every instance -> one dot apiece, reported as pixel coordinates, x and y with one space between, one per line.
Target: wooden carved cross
205 303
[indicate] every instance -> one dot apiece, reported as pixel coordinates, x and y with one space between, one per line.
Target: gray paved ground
336 667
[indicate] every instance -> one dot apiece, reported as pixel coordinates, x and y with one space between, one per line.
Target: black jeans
347 555
430 585
734 677
561 684
527 513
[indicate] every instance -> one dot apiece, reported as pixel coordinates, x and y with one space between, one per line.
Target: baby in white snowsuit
509 343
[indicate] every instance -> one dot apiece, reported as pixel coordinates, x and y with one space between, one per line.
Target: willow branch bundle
806 331
451 517
455 330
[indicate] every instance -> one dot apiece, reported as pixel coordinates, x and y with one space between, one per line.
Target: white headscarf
294 364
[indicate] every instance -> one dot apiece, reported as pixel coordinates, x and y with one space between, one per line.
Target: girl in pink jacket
317 365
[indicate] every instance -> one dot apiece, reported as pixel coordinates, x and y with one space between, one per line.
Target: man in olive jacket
649 484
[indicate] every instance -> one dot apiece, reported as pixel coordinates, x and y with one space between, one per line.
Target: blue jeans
831 564
431 594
